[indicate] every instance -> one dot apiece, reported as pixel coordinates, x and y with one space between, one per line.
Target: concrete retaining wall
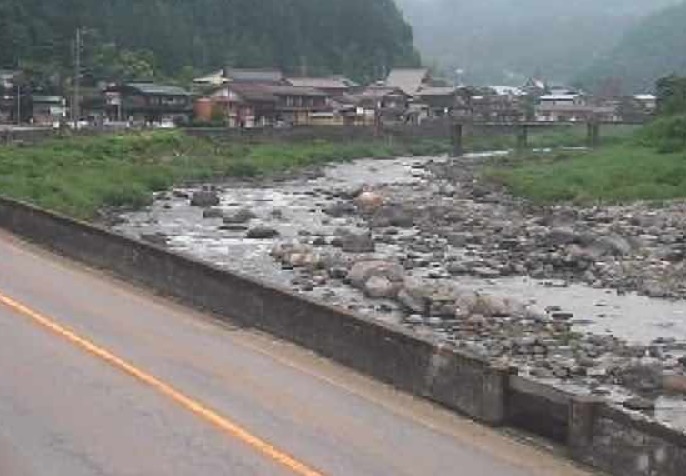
595 432
457 381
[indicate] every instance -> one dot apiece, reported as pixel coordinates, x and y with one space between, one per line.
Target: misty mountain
505 40
652 49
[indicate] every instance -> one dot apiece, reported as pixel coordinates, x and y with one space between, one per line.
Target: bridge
522 129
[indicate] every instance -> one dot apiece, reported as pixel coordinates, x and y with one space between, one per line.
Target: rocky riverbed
589 298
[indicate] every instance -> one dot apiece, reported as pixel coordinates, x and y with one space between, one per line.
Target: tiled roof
158 89
438 91
331 82
253 75
410 80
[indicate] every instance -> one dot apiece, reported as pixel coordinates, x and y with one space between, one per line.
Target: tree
134 39
671 95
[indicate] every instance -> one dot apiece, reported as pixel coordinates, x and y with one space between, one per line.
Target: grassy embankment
649 164
79 176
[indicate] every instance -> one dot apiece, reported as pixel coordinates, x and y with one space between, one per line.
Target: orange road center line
167 390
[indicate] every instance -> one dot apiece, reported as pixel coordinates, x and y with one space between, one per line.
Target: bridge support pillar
593 134
456 139
522 137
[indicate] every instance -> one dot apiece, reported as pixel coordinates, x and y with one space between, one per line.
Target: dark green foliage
671 95
666 134
359 38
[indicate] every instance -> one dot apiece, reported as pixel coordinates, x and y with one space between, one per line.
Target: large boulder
393 215
362 271
369 202
352 242
205 199
675 384
380 287
641 377
415 295
492 306
610 245
464 305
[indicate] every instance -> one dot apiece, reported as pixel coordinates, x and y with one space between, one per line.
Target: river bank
425 243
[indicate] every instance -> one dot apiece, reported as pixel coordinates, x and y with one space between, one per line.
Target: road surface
98 378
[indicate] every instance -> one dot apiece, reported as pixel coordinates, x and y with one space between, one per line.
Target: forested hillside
656 47
356 37
505 40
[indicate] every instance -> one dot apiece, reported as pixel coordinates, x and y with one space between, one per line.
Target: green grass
614 174
79 176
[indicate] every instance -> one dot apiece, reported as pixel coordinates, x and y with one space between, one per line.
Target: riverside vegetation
80 176
649 164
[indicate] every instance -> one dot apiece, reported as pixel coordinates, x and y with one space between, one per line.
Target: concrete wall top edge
643 424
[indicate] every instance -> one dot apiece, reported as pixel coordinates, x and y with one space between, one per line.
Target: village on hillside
258 98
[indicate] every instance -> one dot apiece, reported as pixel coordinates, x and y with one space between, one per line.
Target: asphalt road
99 378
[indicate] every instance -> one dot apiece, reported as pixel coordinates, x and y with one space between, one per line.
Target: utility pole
75 109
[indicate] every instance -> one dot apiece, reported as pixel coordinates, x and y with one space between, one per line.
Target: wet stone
639 404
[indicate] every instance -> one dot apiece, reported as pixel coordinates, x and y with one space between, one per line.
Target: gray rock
262 232
639 404
180 194
393 215
464 305
415 295
458 240
457 269
340 209
212 213
486 272
338 272
641 377
205 199
244 215
489 306
362 271
380 287
357 243
414 303
611 245
233 227
562 236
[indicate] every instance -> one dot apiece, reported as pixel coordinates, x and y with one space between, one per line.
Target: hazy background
504 41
